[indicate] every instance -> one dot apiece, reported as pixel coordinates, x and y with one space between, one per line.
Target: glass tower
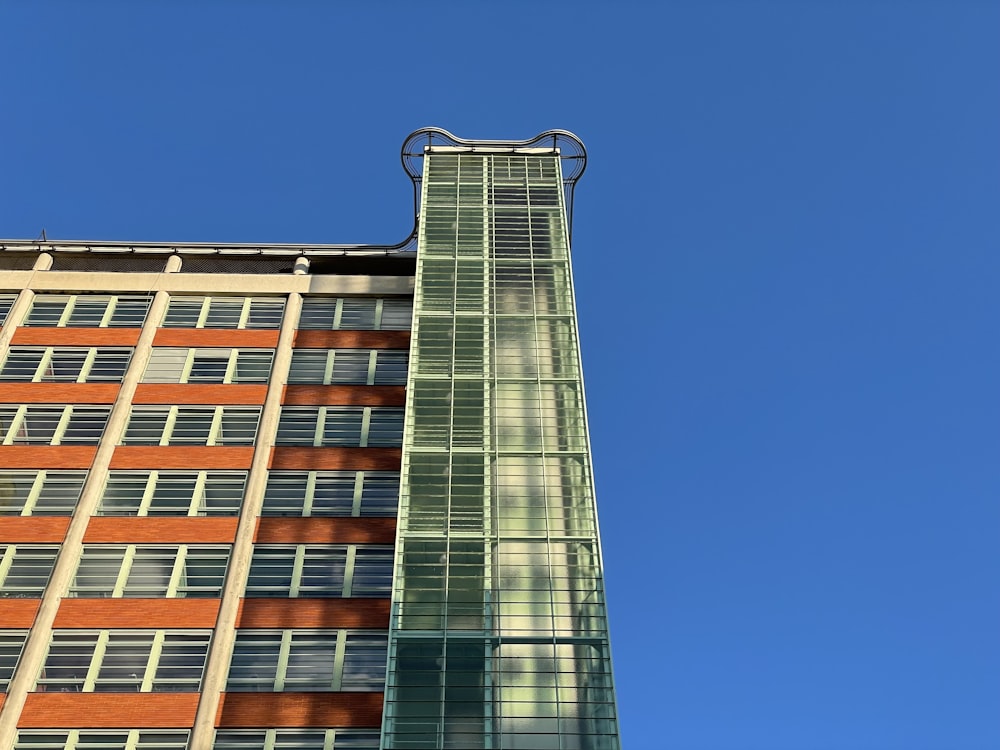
307 497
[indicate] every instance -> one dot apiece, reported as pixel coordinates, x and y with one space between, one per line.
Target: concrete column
30 663
23 302
239 560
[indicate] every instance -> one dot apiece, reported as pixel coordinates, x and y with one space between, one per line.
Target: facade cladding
310 497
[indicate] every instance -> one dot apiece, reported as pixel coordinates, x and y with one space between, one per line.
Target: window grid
314 570
353 426
349 366
11 645
101 739
88 311
173 493
224 312
216 365
331 493
39 364
25 569
124 661
36 424
40 492
356 313
171 571
192 425
296 739
305 660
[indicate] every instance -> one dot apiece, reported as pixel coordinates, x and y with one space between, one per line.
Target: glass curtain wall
498 635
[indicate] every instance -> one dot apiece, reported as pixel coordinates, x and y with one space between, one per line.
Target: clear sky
787 262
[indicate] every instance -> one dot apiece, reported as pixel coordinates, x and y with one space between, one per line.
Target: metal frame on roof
563 143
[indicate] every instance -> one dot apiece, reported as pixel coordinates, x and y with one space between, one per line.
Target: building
316 497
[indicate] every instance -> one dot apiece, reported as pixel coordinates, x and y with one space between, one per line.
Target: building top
562 143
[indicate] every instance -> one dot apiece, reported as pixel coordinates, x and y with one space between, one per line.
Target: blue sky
786 255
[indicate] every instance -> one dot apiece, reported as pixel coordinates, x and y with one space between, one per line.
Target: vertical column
498 633
62 574
224 637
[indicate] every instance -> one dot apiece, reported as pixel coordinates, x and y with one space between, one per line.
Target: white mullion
126 567
245 313
6 562
177 573
109 311
359 486
15 424
366 422
199 493
378 311
203 314
328 369
88 365
62 425
153 662
168 427
282 667
188 365
44 362
310 498
338 660
147 493
133 740
100 646
72 737
34 493
352 552
67 311
270 737
320 426
338 312
372 366
216 428
329 739
298 563
231 366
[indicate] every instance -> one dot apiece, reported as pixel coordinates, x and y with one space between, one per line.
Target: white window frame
295 493
175 365
152 487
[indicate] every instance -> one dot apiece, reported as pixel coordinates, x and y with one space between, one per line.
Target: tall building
318 497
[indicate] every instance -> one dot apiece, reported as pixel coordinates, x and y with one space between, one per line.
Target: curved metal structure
568 146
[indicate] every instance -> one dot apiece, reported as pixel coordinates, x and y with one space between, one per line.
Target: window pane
28 569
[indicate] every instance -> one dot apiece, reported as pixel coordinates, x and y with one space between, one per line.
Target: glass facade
498 635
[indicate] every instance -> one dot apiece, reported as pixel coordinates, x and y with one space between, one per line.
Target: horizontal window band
76 336
137 613
160 530
176 457
184 393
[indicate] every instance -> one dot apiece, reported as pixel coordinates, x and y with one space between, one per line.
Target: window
304 660
124 661
319 570
37 424
356 313
36 364
356 426
6 302
101 739
129 570
25 570
173 493
331 493
192 425
295 739
349 366
11 643
224 312
208 366
39 492
88 311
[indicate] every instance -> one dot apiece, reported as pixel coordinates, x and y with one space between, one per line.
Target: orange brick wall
97 710
188 337
18 613
179 393
299 710
33 529
75 337
326 530
352 340
180 457
47 456
137 613
344 395
59 393
313 613
161 529
369 459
